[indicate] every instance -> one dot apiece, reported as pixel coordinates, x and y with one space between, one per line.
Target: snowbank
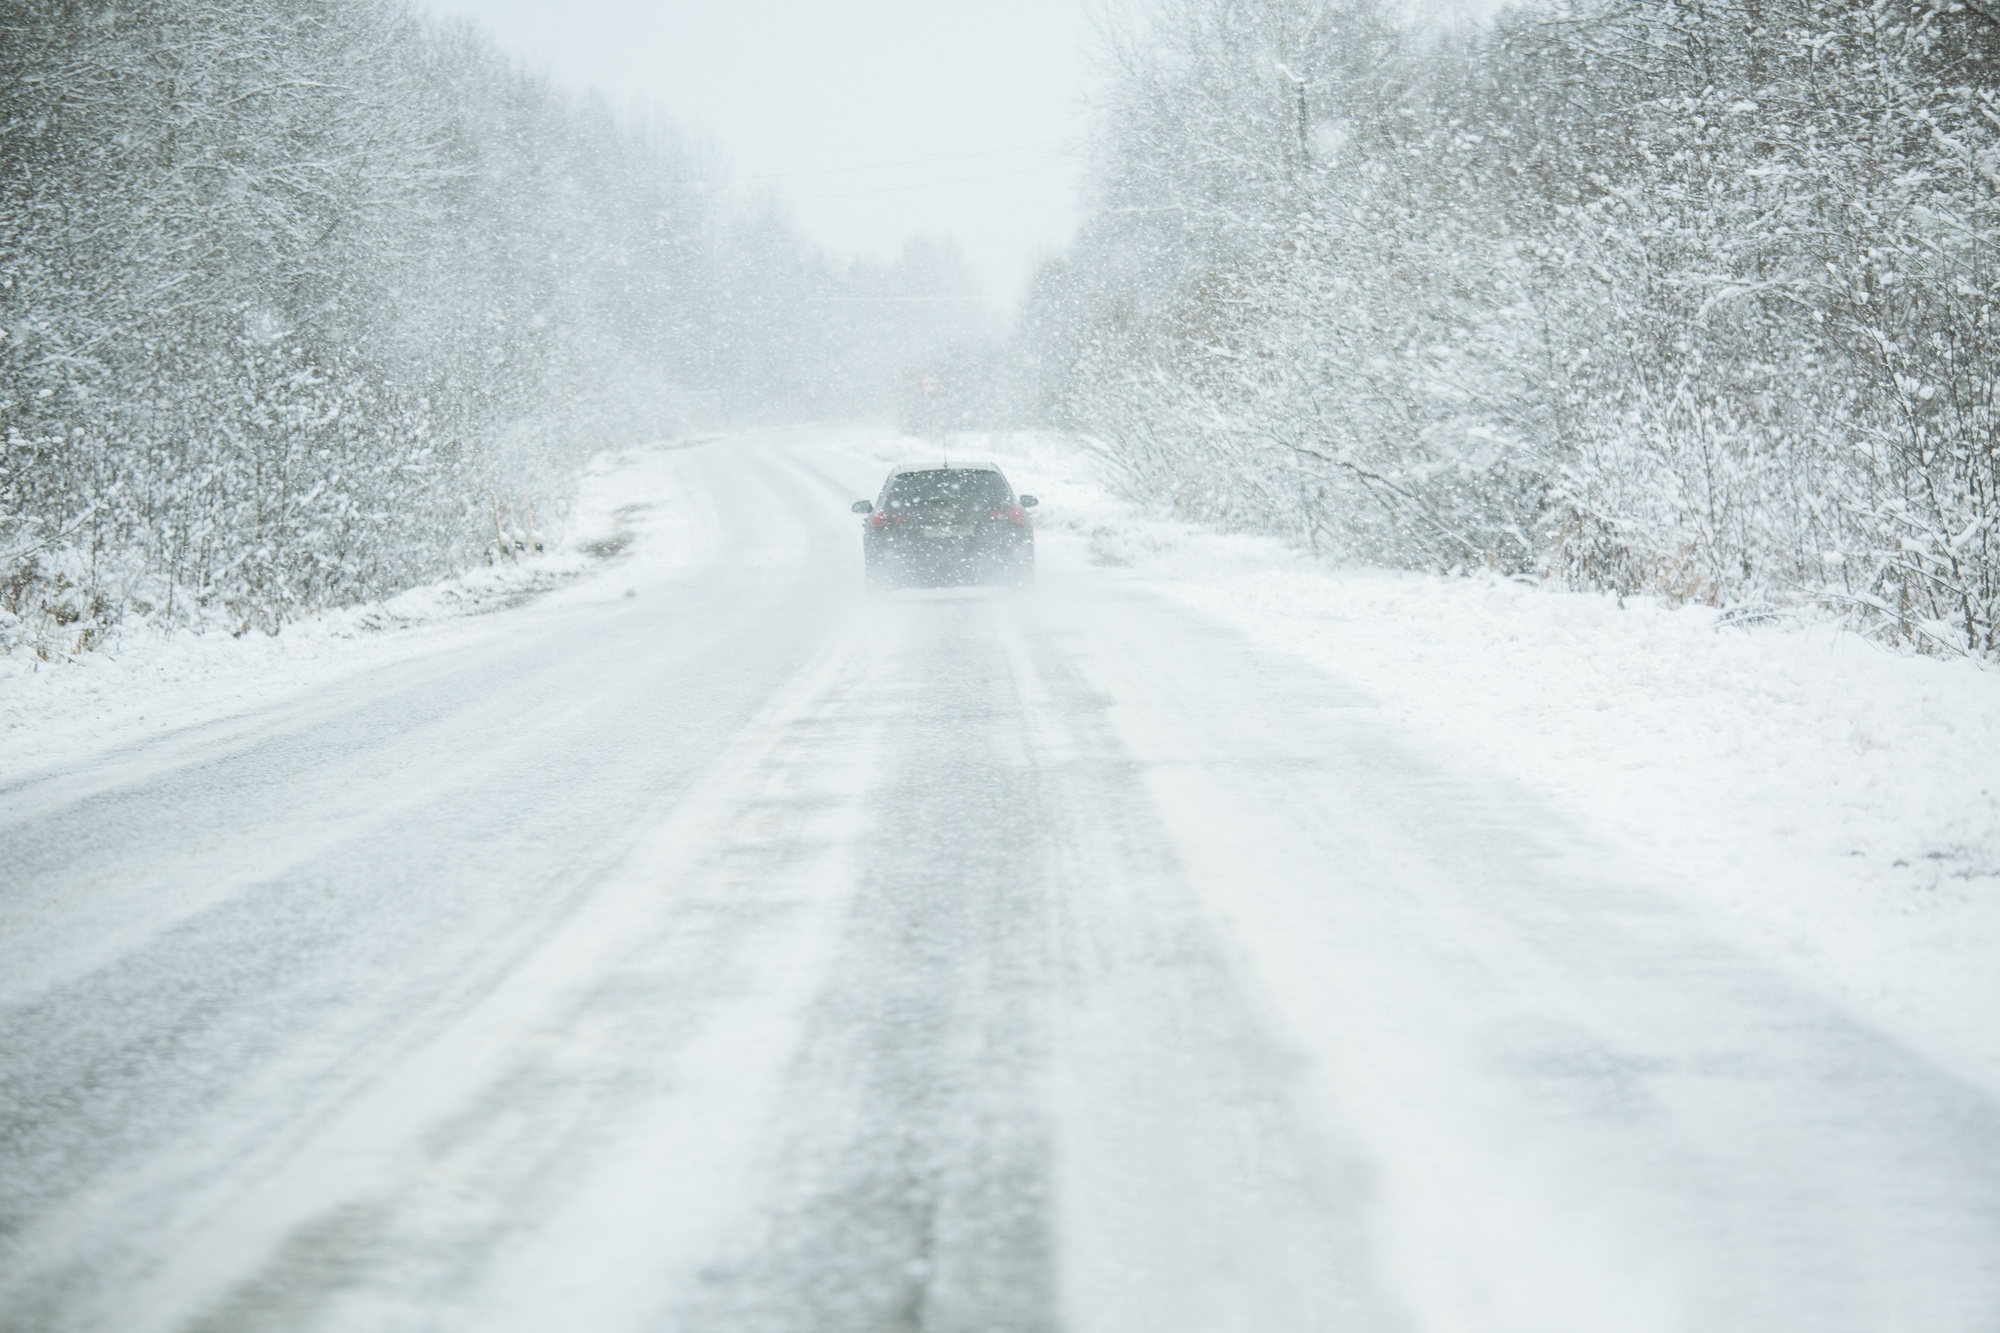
635 516
1834 804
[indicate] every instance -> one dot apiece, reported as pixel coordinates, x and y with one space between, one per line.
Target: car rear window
958 487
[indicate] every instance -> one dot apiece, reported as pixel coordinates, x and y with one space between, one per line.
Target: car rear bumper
939 560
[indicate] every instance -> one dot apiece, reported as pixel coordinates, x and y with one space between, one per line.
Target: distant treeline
1694 297
290 288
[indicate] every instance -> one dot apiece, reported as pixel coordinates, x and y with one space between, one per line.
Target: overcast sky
881 118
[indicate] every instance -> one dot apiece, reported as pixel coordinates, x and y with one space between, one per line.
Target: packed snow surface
1834 804
1203 940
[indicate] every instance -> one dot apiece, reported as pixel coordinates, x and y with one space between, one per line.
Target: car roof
948 465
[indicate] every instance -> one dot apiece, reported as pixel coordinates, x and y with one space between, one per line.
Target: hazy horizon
878 121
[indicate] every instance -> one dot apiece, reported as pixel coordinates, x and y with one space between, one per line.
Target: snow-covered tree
290 289
1689 297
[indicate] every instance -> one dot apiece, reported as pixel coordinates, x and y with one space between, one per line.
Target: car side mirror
1029 502
862 507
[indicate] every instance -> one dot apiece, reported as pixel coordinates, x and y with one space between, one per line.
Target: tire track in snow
142 1118
1582 1108
1036 1094
567 1112
910 1166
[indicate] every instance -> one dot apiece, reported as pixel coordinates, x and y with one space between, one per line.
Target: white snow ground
1205 941
1837 803
145 681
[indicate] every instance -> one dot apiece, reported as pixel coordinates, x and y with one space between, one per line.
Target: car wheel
880 577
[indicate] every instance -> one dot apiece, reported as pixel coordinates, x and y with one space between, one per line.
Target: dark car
941 524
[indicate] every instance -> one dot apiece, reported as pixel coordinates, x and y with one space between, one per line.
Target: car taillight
882 518
1010 514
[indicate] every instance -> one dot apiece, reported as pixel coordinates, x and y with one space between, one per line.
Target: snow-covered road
750 955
